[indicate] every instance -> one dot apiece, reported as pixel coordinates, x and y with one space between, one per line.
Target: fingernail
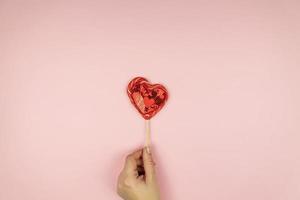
148 149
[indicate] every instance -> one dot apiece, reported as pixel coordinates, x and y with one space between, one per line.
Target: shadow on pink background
229 131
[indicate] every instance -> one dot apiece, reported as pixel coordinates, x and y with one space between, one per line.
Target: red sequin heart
147 98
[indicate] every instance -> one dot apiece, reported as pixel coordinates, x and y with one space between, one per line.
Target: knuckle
151 162
128 157
120 186
127 181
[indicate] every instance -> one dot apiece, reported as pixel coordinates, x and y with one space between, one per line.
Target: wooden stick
148 135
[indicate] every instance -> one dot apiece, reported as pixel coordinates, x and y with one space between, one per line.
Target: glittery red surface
147 98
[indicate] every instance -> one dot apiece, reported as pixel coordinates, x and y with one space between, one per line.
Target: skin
137 180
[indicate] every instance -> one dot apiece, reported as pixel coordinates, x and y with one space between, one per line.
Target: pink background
231 129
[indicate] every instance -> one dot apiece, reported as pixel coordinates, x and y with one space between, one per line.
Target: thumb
149 165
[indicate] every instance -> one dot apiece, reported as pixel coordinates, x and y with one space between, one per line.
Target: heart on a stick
147 98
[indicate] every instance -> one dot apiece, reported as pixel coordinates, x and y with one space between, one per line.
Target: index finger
131 160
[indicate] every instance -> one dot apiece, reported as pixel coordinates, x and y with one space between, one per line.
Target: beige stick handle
148 135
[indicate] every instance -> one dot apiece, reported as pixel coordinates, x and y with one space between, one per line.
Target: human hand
137 181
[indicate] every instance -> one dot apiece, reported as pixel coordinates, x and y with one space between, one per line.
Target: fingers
140 165
137 180
149 165
132 161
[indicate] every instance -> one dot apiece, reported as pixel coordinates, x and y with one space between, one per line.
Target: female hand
137 181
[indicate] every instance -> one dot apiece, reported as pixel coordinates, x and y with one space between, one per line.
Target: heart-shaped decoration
147 98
